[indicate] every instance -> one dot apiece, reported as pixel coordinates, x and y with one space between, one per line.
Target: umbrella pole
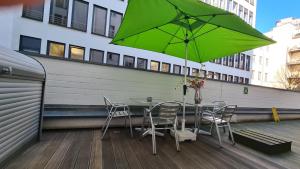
184 86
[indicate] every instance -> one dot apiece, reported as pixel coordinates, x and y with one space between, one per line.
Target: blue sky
270 11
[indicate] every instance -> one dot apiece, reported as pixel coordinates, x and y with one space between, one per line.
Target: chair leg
218 133
105 122
106 127
230 132
153 140
130 125
176 139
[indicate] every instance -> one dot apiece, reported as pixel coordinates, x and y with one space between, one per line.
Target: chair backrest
229 111
108 104
219 107
169 110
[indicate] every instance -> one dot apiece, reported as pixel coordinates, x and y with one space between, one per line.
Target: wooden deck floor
83 149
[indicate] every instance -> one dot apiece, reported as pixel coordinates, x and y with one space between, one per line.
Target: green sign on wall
246 90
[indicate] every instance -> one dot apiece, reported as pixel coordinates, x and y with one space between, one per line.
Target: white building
81 31
275 65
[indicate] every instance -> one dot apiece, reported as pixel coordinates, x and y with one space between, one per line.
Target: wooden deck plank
96 153
84 152
108 157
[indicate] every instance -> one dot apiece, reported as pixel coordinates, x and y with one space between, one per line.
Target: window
202 73
224 77
80 15
248 63
241 8
241 80
76 52
56 49
230 78
187 70
176 69
210 75
229 5
246 14
165 67
237 60
260 60
141 63
218 61
114 24
195 72
251 18
266 77
128 61
246 81
154 65
96 56
225 61
235 5
267 61
259 76
30 44
242 61
236 79
99 20
217 76
231 61
59 12
252 2
34 12
112 58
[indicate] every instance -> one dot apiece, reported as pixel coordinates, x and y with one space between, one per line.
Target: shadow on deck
66 149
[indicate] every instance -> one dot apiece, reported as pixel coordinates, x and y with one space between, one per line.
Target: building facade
278 65
78 30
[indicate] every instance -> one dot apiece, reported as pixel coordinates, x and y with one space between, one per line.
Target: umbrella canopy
166 26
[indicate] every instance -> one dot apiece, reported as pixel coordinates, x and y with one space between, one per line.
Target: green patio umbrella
188 29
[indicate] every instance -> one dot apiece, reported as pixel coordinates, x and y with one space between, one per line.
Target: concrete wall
74 83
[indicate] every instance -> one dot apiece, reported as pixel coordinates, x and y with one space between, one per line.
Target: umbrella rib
170 40
169 33
197 53
205 33
203 25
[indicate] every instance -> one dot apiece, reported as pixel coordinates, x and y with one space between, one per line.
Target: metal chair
116 110
165 118
219 116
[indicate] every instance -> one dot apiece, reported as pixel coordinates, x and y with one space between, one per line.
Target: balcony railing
33 14
58 20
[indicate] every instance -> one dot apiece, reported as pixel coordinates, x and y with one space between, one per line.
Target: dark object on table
261 142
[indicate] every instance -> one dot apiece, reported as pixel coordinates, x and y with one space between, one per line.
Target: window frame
128 56
162 63
53 23
92 32
41 20
92 49
21 40
196 71
87 15
138 65
113 11
175 65
158 65
118 58
78 47
48 47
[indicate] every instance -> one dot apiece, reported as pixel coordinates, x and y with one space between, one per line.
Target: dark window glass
96 56
210 75
112 58
237 60
236 79
165 67
80 15
187 71
76 52
225 61
30 44
154 65
176 69
114 24
59 12
56 49
248 63
202 73
224 77
246 81
141 63
242 61
128 61
241 80
35 12
212 61
218 61
231 61
230 78
195 72
217 76
99 20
